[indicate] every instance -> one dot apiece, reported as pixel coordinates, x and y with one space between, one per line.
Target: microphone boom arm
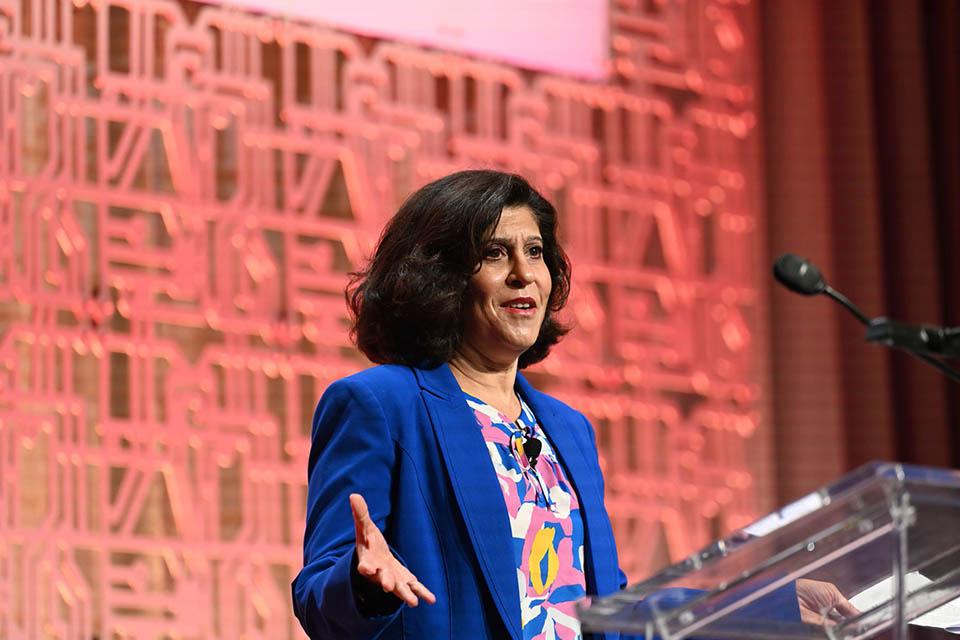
882 329
800 276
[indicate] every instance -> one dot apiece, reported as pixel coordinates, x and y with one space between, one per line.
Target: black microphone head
799 275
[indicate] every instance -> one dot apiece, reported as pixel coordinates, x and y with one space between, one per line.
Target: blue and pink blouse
545 521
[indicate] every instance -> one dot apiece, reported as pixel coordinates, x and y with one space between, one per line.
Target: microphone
531 449
801 276
531 445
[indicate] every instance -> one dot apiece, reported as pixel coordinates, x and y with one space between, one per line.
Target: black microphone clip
531 449
920 338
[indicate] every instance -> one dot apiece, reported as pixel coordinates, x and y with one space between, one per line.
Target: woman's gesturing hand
377 564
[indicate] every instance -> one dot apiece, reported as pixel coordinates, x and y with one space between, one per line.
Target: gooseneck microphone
802 276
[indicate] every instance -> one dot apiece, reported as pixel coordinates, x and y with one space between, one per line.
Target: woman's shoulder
379 379
385 390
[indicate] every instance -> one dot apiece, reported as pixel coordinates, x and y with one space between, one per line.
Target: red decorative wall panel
182 192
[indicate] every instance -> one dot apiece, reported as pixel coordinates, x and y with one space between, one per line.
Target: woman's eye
494 252
536 252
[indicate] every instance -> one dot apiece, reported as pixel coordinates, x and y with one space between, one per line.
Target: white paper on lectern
946 617
793 511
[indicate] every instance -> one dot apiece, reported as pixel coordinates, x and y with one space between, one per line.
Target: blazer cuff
339 616
371 601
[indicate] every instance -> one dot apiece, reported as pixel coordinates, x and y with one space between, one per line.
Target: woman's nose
521 272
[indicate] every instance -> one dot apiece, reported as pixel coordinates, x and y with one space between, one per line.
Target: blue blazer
405 439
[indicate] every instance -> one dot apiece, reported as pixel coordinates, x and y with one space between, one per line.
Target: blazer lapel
476 488
570 441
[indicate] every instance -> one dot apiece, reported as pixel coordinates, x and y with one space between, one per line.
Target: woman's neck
487 380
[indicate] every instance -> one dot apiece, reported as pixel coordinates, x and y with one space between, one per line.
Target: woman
468 488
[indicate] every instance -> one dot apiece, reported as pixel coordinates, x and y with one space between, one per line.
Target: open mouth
520 305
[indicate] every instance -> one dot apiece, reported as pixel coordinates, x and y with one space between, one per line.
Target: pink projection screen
559 36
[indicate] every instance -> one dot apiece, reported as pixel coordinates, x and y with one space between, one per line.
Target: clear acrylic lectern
886 535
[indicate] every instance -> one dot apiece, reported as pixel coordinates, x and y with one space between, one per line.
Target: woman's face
507 297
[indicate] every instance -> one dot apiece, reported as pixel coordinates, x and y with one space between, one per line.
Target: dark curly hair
408 303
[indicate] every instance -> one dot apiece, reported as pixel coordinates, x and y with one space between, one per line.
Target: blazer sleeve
352 451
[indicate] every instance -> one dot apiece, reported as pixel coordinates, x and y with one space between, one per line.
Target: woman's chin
518 346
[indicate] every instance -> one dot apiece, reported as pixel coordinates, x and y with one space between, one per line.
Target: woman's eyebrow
508 241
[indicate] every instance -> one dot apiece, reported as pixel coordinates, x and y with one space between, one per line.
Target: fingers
387 580
421 590
408 588
848 610
402 590
359 508
361 516
836 614
842 608
383 570
411 590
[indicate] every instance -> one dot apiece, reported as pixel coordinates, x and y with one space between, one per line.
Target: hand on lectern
816 596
